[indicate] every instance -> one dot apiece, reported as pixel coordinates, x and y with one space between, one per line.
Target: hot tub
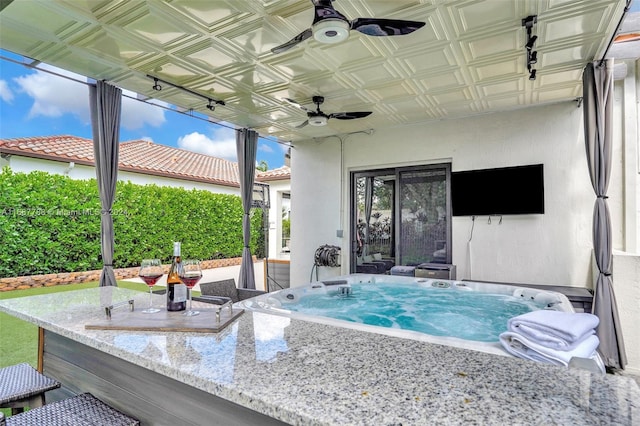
463 314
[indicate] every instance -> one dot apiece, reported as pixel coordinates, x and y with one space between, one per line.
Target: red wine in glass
190 275
150 272
190 281
150 280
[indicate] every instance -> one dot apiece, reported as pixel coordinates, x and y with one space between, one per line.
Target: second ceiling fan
331 26
319 118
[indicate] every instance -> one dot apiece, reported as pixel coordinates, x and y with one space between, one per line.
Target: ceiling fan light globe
318 121
331 31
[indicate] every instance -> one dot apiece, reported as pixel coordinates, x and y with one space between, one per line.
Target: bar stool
23 386
80 410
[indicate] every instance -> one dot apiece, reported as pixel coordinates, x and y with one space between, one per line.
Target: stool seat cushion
22 381
80 410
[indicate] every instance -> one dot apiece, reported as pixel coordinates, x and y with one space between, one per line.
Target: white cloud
136 114
54 96
5 92
222 144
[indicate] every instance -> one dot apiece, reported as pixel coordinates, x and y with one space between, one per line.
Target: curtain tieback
105 211
604 197
607 274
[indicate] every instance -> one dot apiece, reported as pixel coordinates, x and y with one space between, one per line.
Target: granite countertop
314 374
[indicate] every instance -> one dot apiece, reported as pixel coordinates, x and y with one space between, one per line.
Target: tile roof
135 156
282 173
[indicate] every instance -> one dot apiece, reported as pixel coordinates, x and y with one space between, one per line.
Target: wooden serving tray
168 321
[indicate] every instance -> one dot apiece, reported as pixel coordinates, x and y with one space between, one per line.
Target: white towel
554 329
518 345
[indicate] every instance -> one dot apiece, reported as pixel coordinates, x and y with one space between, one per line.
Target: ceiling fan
319 118
331 26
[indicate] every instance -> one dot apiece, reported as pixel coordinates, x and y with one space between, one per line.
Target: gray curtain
246 146
368 205
597 83
105 102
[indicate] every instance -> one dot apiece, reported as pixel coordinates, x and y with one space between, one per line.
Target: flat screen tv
502 191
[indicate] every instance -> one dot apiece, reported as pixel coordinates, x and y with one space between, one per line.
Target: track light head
533 58
531 42
532 75
211 106
156 86
529 21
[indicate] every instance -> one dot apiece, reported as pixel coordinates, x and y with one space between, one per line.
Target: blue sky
37 103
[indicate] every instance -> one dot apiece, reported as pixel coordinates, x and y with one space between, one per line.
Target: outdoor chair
388 262
227 288
83 409
367 264
21 386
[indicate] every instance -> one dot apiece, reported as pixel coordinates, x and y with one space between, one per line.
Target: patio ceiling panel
469 58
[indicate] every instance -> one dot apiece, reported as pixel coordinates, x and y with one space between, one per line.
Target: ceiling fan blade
325 10
300 126
297 39
349 115
385 27
296 104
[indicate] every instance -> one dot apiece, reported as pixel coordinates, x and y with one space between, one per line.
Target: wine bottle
176 291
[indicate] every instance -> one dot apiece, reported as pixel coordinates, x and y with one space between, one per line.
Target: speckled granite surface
314 374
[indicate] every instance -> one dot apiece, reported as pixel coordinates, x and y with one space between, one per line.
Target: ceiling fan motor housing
318 120
331 31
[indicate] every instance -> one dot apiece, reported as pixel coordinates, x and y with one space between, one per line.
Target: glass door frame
397 203
395 217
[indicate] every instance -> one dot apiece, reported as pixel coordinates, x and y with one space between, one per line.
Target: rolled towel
518 345
554 329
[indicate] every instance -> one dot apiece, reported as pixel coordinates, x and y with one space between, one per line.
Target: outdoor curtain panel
597 84
246 146
105 102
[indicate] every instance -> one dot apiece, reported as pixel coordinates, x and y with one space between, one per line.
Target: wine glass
150 272
190 275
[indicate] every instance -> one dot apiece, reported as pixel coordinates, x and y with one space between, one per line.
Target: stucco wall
626 285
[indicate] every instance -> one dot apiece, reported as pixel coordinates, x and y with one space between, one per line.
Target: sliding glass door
423 214
401 214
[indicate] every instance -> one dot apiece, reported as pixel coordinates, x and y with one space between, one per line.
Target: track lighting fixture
211 102
532 55
529 21
531 42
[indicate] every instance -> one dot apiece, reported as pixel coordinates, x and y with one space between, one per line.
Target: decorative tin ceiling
468 59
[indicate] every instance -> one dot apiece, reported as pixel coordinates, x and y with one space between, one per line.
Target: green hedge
51 223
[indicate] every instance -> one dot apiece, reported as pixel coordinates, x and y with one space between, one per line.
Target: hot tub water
431 310
463 314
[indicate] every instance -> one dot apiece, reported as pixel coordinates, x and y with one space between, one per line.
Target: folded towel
555 329
518 345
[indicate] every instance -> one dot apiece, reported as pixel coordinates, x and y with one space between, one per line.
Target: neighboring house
143 162
279 181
